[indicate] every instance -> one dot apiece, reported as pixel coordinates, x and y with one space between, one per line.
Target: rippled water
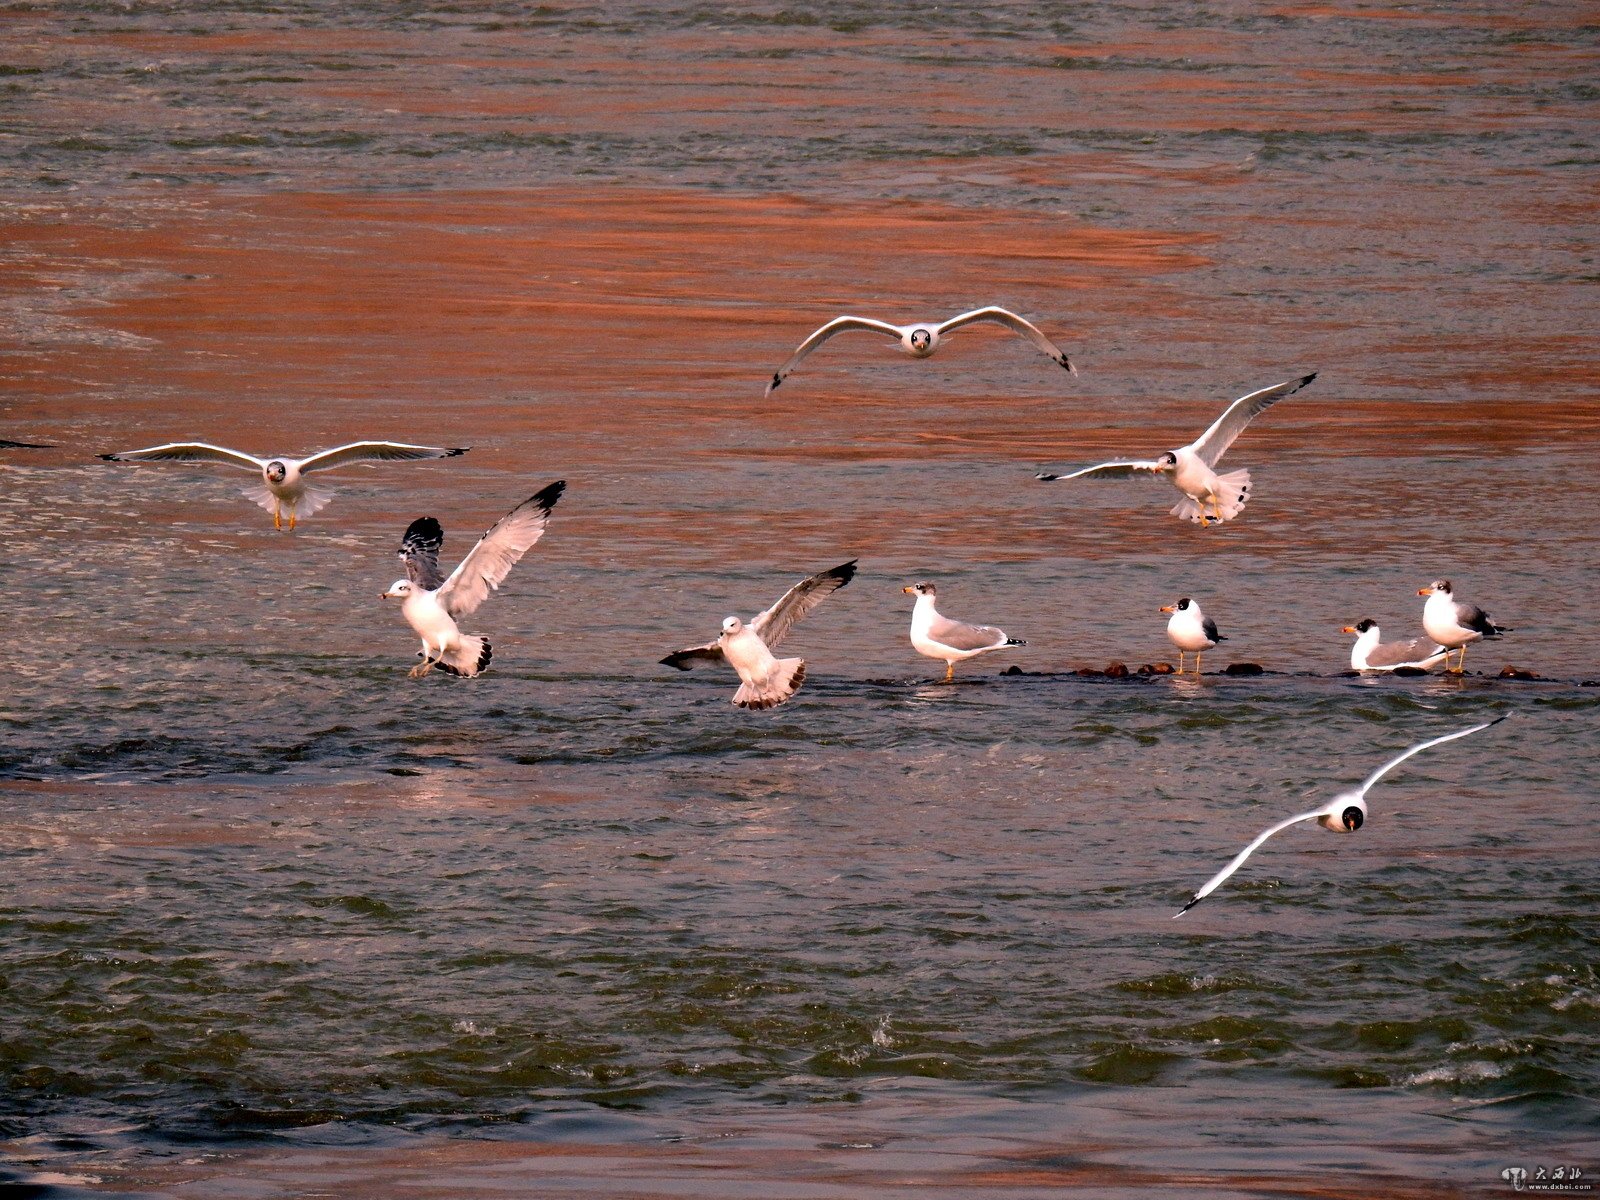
272 911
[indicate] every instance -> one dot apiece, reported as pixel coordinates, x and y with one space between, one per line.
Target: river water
278 920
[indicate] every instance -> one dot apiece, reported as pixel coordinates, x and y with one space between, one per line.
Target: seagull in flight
1345 813
941 637
1191 466
921 340
430 602
766 681
284 489
1453 624
1368 654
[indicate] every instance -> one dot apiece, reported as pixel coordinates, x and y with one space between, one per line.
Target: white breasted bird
1454 624
283 489
764 680
1191 466
949 640
1369 654
1191 630
432 603
921 340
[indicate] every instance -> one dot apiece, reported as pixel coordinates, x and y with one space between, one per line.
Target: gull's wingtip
1186 908
455 450
108 457
777 381
1046 478
1067 363
1305 379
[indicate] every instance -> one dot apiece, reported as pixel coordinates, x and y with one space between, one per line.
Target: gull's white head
275 471
1345 815
1168 461
1441 586
398 590
731 626
1365 625
921 341
920 589
1182 606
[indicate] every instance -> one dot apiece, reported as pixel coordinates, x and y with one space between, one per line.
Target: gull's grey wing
508 539
774 624
958 635
1211 444
1415 651
376 452
1417 749
1470 616
1110 470
419 550
1209 628
837 325
1011 320
1221 876
189 452
694 656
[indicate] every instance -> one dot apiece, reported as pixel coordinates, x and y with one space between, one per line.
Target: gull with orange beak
1345 813
431 603
949 640
1191 630
283 487
1453 624
1368 654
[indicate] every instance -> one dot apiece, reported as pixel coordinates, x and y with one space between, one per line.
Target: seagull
1368 655
940 637
765 681
9 445
1453 624
1191 465
431 603
921 340
1345 813
283 478
1191 630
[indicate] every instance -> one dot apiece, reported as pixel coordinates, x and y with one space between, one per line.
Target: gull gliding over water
765 681
950 640
1191 466
431 603
284 488
921 340
1345 813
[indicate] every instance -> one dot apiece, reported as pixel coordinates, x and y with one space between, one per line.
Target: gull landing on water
765 681
920 341
284 487
1345 813
1191 466
431 603
952 641
1453 624
1368 654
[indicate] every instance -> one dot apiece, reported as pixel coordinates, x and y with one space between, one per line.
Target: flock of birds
432 603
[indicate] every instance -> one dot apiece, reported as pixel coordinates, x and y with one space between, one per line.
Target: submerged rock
1244 669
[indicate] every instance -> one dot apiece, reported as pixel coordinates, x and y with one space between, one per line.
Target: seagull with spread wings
766 681
921 340
1345 813
284 489
1191 466
430 602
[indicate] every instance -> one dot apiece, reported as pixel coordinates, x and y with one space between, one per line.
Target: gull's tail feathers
262 495
782 682
469 658
1233 491
313 501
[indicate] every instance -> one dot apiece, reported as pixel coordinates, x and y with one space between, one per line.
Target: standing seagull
431 603
940 637
1369 655
1453 624
1191 466
1345 813
920 341
1191 630
285 487
765 681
